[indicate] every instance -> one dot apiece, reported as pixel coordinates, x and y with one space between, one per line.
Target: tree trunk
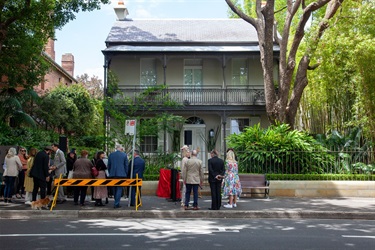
283 106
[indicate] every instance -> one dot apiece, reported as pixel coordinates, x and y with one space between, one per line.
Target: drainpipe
165 68
224 117
224 122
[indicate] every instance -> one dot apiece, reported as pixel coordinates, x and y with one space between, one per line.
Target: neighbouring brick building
58 74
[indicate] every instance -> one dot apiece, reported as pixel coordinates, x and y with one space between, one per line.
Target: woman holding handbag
29 182
100 192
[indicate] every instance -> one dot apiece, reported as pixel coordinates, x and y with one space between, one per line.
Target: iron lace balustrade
210 95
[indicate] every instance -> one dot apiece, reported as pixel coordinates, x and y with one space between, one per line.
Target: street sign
130 127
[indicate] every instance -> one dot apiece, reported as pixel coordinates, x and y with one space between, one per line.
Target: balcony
212 95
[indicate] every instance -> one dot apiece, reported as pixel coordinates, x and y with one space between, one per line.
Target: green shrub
277 149
321 177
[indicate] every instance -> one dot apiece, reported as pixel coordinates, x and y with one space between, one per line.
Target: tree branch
242 15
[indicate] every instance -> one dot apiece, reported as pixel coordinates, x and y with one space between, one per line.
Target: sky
85 36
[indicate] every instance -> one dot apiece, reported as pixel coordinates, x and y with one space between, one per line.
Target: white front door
192 136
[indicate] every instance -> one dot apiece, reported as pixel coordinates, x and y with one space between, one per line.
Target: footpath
247 208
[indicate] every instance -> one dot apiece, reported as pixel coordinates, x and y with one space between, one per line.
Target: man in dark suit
118 169
215 175
40 172
138 168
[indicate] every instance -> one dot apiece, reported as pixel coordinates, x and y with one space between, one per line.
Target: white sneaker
228 206
234 205
27 202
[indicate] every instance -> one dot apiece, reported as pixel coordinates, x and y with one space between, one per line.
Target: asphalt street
183 233
157 207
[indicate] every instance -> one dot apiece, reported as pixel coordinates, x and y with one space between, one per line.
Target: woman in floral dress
231 183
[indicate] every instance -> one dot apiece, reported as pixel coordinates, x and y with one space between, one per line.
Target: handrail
207 95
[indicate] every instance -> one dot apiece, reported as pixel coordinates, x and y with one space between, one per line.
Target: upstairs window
239 71
193 73
148 72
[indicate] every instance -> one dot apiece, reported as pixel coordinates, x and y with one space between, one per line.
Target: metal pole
132 166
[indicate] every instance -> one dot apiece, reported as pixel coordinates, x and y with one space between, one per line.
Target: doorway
192 136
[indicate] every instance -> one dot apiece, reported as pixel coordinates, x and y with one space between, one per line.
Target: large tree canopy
284 94
25 26
69 110
341 92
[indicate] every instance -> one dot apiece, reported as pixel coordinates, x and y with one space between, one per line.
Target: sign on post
130 127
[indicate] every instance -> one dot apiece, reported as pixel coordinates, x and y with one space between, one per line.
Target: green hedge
151 177
299 177
321 177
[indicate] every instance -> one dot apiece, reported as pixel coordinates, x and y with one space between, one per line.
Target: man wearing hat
40 172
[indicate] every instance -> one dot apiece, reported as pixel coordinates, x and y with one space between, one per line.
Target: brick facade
57 74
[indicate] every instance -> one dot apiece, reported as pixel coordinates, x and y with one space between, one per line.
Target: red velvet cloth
164 185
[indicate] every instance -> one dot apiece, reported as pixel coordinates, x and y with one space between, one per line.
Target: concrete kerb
158 214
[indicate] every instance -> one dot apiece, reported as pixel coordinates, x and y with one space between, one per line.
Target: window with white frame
193 72
237 125
193 80
149 144
239 71
148 138
148 72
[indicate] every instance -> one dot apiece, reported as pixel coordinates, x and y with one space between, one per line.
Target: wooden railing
233 95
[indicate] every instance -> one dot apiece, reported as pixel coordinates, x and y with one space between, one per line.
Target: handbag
70 175
94 171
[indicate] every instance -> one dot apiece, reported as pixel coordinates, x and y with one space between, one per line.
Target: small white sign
130 127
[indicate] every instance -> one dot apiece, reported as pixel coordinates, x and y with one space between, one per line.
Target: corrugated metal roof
182 31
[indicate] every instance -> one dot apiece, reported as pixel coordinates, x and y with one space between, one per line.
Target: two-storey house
210 66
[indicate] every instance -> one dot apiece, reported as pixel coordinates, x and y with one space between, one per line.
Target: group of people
222 177
35 172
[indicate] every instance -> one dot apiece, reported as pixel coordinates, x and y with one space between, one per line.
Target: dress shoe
118 206
186 207
195 208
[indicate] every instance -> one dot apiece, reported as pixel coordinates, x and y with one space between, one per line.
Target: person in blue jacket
138 168
118 169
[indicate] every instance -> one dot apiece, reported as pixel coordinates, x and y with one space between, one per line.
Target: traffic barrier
99 182
126 182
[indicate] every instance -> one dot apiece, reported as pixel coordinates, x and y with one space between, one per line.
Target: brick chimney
50 48
67 63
